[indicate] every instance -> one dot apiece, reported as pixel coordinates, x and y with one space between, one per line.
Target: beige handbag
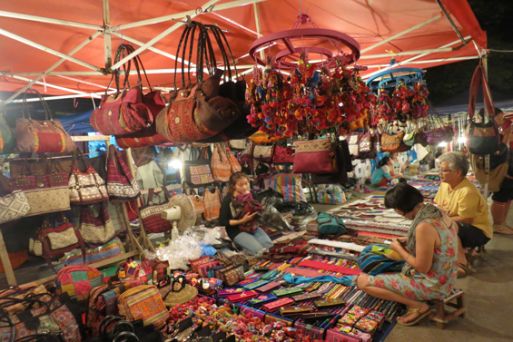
263 152
220 164
13 206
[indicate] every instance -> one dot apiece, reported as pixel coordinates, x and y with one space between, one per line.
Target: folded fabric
344 280
329 267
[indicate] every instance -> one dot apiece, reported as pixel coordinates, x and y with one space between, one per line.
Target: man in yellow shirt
464 204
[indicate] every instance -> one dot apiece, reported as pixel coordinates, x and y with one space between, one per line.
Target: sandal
416 320
463 270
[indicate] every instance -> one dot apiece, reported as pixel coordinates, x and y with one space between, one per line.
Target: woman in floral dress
429 252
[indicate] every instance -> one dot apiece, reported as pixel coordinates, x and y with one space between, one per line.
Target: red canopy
62 44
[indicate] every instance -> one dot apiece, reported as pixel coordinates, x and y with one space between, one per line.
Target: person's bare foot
414 315
502 229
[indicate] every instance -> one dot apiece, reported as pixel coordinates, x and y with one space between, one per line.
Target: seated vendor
383 172
464 204
429 252
241 226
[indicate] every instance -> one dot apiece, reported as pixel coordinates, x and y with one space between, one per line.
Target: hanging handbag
314 156
220 165
391 142
95 224
143 302
45 193
196 112
283 155
483 137
41 136
197 202
238 144
212 203
151 214
86 187
125 111
6 137
198 172
13 204
58 238
437 131
263 152
234 162
121 184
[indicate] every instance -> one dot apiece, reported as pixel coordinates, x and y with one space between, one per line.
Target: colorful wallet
275 305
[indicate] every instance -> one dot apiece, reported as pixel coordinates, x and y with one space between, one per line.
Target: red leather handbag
151 214
147 136
121 184
283 155
128 110
314 156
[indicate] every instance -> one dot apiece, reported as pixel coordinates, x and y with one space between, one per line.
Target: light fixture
175 164
443 144
462 139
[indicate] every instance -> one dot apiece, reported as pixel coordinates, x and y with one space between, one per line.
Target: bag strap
479 79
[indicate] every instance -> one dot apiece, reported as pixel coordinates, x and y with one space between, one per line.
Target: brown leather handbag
391 142
196 112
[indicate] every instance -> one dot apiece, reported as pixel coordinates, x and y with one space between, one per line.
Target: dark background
448 84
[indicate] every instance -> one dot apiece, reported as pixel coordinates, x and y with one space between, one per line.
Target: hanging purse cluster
309 101
401 94
202 109
129 113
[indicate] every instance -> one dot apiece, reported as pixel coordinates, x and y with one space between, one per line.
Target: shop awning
61 46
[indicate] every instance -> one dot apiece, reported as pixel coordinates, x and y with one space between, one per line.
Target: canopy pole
454 42
151 48
46 49
107 37
406 53
438 60
53 67
402 33
49 85
158 37
181 15
257 25
236 24
132 72
46 20
86 82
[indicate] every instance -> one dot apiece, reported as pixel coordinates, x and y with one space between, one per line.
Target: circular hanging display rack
330 45
389 79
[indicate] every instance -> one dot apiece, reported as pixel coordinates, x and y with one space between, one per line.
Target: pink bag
314 156
283 155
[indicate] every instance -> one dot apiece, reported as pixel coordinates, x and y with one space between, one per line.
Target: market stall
141 233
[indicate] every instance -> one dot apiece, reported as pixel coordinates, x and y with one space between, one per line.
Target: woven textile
77 281
13 206
143 302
